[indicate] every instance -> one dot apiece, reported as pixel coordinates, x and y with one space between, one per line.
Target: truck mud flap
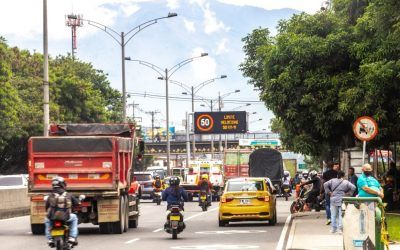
38 212
108 210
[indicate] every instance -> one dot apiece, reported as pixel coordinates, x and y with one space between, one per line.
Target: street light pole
220 138
120 39
165 74
46 108
194 135
167 120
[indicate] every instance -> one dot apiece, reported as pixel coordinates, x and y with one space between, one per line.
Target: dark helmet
157 177
58 182
174 181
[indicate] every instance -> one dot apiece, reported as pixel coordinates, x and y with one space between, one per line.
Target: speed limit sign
205 122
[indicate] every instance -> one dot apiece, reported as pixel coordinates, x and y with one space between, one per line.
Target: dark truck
266 162
96 160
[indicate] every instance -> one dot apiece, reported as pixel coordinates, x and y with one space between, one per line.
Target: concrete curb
16 212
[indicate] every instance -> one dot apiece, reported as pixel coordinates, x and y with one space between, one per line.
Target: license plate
203 198
244 201
56 232
175 218
287 190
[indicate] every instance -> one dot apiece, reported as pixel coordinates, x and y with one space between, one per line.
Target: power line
187 99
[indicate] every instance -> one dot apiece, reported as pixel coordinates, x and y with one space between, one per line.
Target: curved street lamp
123 39
165 74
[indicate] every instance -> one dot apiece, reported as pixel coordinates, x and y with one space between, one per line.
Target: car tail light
175 209
263 198
57 223
226 199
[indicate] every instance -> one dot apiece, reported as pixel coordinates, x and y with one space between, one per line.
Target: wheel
59 244
295 207
174 234
286 197
272 222
118 226
190 197
126 217
37 229
204 206
222 223
158 202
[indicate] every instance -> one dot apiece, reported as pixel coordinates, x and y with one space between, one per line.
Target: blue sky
212 26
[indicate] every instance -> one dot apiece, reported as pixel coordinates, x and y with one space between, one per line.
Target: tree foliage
78 93
322 71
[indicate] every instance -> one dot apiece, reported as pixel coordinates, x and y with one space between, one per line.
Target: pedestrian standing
352 177
327 176
336 189
368 186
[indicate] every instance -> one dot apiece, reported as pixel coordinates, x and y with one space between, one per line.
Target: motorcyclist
174 194
315 190
205 186
59 189
158 183
285 181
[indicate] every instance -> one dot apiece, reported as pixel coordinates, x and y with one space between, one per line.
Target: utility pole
152 113
194 135
187 141
212 135
46 108
167 121
220 138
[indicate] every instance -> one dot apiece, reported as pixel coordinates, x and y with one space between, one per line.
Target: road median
13 203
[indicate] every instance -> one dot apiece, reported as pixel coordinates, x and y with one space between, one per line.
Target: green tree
322 71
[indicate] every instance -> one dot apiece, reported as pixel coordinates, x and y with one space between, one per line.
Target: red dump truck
95 160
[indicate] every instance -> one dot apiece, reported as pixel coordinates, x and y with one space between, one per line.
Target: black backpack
59 206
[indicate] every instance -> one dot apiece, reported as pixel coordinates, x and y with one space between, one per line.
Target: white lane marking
200 214
189 218
14 218
283 234
229 232
131 241
217 247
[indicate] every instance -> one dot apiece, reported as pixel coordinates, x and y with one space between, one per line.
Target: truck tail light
37 198
107 164
226 199
39 164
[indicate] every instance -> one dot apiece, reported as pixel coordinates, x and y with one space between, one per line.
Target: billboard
160 134
234 122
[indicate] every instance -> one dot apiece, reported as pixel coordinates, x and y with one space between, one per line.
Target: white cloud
202 67
211 23
173 4
221 46
309 6
189 25
26 23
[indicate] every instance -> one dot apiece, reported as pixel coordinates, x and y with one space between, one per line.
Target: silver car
145 180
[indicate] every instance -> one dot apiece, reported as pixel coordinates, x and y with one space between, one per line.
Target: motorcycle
299 205
203 201
157 196
174 224
286 191
60 232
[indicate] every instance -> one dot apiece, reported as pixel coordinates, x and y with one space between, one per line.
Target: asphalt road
202 232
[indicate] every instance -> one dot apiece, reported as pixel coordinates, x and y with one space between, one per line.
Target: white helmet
313 173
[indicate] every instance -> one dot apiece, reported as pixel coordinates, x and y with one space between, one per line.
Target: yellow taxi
247 199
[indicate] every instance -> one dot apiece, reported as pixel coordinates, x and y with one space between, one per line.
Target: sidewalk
308 231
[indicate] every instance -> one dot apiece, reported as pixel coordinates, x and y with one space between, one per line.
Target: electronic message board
234 122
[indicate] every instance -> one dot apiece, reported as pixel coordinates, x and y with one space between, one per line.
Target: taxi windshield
237 186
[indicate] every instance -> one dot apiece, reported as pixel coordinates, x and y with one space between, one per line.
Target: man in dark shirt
352 177
327 176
